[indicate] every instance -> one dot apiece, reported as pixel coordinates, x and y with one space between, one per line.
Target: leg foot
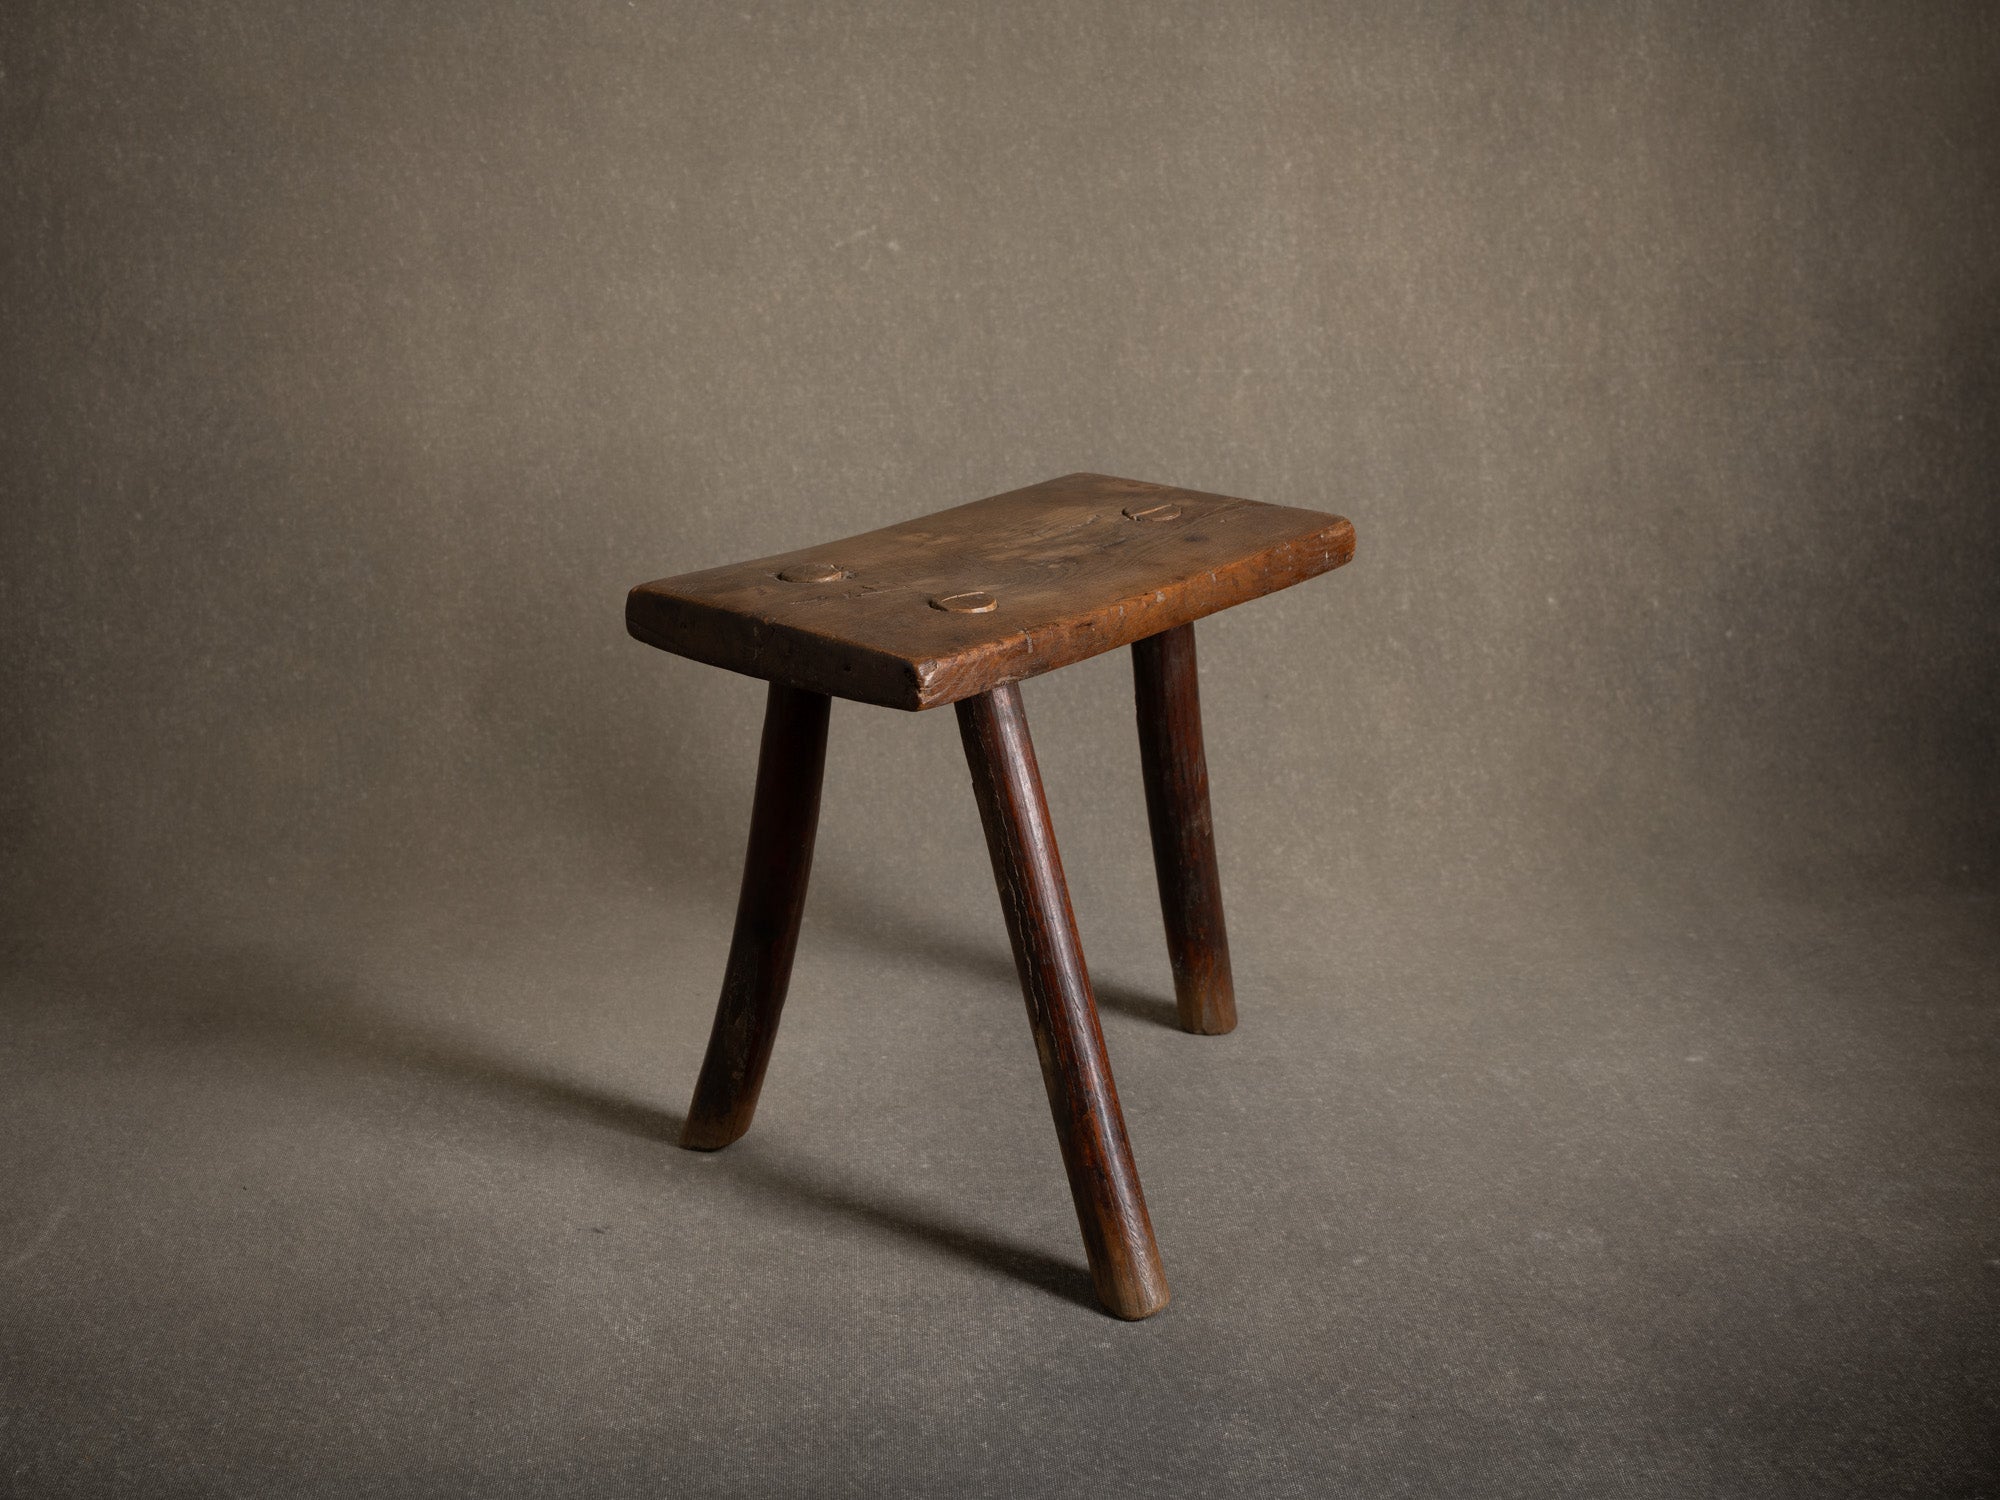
1117 1234
1176 773
782 824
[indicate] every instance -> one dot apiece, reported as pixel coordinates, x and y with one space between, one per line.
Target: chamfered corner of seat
639 601
1343 538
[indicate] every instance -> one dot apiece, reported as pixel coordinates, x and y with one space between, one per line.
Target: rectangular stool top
940 608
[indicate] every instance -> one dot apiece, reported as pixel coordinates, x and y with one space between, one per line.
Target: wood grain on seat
948 605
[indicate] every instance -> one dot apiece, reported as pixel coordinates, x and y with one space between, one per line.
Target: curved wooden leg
1117 1234
1176 773
783 821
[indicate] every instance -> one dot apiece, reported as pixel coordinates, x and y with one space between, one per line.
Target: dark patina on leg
1176 774
790 764
1117 1234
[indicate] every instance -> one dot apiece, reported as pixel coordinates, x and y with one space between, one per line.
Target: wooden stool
958 607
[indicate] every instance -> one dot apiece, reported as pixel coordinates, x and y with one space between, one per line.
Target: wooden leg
1176 772
782 824
1117 1234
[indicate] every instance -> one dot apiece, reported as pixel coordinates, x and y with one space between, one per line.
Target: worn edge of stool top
952 604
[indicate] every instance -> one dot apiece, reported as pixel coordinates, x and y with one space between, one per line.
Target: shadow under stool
959 607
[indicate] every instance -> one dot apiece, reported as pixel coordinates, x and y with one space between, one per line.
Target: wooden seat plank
953 604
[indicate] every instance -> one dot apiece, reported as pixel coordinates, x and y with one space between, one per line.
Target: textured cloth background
1610 849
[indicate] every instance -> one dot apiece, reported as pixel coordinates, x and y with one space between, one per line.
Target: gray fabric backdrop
358 358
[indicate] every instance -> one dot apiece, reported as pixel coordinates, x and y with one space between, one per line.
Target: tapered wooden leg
782 824
1176 773
1117 1234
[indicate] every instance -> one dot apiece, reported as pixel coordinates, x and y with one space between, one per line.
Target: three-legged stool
958 607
